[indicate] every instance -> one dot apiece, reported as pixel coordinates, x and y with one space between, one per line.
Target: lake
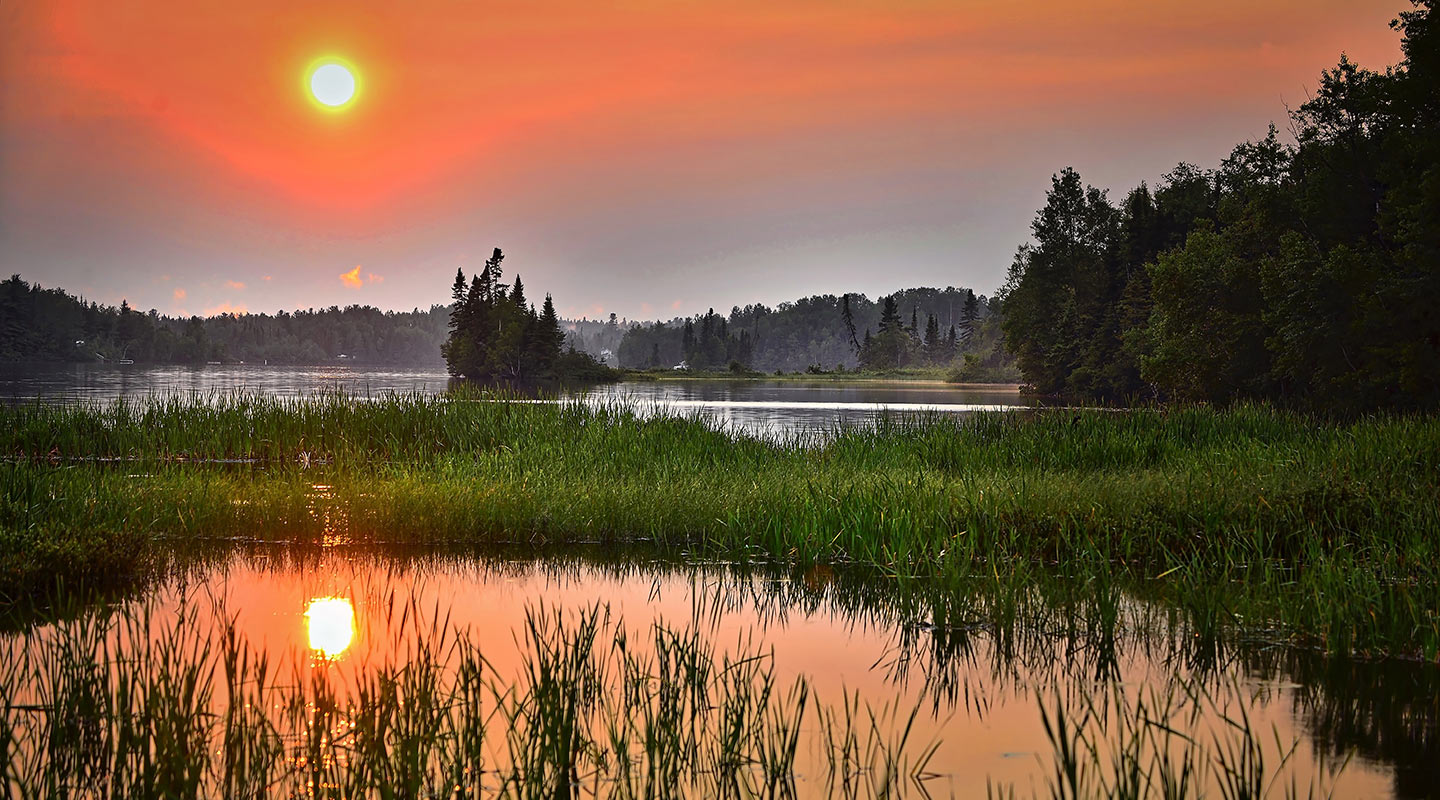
256 663
953 702
756 407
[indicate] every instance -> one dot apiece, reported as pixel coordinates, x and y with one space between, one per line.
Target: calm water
767 408
1359 731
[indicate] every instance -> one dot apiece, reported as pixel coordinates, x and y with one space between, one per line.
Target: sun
330 623
332 83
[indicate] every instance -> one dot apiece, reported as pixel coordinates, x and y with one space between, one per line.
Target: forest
496 333
823 332
1306 274
50 325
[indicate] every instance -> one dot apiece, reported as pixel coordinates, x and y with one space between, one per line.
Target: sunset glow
648 153
330 625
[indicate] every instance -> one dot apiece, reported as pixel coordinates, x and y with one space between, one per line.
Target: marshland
305 492
926 603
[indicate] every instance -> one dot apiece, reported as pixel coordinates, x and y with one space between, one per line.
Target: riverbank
1312 532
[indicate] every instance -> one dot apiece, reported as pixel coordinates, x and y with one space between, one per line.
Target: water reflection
976 660
330 625
769 408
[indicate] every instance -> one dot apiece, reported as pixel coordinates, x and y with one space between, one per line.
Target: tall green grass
1317 531
140 700
106 705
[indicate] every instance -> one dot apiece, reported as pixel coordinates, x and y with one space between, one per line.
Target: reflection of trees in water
967 642
1386 711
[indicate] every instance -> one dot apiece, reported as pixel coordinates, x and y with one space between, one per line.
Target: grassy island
1265 520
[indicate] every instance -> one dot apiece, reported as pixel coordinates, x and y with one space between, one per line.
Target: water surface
976 689
772 408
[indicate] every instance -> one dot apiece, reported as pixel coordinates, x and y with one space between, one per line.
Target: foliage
822 331
38 324
1305 274
495 333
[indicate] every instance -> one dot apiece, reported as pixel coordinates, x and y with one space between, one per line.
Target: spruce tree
932 342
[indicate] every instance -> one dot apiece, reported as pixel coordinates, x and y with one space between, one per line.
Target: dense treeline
496 333
827 331
1305 273
599 338
38 324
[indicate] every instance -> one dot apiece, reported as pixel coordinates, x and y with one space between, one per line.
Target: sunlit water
758 407
1355 730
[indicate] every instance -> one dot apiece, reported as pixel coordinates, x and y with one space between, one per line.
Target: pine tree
517 293
969 315
932 341
849 320
889 316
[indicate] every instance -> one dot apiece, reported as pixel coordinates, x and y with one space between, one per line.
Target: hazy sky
646 158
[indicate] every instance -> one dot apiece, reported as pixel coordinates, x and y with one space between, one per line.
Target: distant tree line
496 333
1306 273
46 324
600 338
825 332
897 345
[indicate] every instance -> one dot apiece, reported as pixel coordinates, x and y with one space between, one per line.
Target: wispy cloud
178 294
234 285
355 280
226 308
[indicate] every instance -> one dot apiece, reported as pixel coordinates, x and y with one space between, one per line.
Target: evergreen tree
933 346
497 333
849 319
969 315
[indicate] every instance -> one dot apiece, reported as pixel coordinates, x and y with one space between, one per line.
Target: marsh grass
106 705
1314 532
138 699
1176 738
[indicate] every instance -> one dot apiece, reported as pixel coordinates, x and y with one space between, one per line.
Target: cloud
226 309
234 285
178 294
676 305
266 279
355 280
646 308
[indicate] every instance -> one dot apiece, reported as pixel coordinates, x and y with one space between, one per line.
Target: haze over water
757 407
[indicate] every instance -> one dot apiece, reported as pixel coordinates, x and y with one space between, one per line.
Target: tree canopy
496 333
1306 273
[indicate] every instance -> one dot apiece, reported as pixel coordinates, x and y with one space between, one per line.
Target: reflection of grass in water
1113 741
102 701
1312 530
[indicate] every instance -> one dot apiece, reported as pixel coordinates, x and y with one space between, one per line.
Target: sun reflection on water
330 623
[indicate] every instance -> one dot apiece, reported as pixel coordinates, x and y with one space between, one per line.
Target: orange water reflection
977 695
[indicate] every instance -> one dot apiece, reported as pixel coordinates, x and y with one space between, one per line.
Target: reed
1319 531
128 705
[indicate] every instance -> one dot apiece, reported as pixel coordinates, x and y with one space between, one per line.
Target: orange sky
628 156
